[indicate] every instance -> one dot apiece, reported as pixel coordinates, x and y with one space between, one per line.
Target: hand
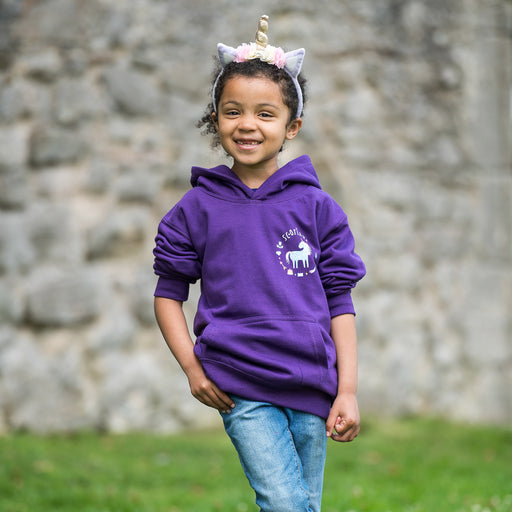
343 422
208 393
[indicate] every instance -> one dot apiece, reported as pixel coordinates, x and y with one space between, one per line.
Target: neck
253 177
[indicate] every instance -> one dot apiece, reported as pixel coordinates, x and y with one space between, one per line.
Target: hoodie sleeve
340 268
176 262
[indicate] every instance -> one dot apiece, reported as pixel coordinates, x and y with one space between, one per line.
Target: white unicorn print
302 255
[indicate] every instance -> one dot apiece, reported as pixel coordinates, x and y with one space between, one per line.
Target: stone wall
408 124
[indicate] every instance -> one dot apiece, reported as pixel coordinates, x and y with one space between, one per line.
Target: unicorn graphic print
295 254
299 256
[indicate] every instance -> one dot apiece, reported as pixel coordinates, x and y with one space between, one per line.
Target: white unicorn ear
294 61
226 53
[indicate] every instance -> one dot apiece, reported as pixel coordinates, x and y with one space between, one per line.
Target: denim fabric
282 452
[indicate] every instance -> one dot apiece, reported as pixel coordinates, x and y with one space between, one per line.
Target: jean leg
265 445
308 433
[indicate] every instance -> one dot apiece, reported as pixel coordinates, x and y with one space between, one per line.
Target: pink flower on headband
242 53
270 54
279 58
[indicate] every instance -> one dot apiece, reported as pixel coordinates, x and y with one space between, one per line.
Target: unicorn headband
291 62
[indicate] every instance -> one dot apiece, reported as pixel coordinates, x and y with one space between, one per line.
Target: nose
246 122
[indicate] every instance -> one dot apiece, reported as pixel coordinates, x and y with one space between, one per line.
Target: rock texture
409 126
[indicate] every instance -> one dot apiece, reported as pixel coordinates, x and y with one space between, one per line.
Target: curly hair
251 68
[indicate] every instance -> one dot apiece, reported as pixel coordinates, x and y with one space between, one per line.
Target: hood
222 182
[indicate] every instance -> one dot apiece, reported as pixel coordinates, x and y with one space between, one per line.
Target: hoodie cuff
341 304
175 289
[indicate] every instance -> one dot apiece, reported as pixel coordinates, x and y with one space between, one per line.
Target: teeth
247 143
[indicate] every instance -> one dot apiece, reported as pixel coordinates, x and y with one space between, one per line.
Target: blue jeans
282 452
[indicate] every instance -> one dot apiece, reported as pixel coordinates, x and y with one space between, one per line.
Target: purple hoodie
276 264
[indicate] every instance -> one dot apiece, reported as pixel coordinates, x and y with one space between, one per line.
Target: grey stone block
64 297
133 92
50 146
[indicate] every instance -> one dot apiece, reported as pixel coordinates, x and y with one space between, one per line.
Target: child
276 339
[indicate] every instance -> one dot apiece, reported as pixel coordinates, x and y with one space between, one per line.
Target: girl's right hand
206 391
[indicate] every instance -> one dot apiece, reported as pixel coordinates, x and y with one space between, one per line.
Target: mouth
247 143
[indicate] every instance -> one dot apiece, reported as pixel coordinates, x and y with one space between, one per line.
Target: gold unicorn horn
261 34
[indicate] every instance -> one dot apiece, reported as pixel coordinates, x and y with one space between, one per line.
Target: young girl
276 339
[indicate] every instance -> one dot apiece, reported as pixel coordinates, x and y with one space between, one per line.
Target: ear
293 128
215 120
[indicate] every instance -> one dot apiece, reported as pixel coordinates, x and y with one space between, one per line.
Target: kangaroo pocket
277 352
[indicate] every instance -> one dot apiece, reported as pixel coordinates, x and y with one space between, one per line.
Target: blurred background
408 123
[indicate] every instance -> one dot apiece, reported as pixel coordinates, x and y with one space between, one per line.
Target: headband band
291 62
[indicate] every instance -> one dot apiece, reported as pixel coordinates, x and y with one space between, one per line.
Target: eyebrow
238 104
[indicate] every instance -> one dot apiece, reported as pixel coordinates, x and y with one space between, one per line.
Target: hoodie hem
299 398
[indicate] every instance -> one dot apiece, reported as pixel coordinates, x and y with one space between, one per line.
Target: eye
266 115
229 113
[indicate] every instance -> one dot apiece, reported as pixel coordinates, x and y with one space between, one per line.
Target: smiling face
253 122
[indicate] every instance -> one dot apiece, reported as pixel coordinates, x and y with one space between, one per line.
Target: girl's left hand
343 422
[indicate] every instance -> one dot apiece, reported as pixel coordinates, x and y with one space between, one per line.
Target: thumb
329 424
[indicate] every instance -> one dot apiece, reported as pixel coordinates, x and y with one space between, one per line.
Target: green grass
415 465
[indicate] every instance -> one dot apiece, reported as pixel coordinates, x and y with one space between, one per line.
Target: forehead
253 89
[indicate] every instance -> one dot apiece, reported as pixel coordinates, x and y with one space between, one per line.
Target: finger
206 396
209 398
212 396
346 431
347 437
345 426
223 401
329 425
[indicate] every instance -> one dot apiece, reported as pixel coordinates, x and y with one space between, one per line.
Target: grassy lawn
415 465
